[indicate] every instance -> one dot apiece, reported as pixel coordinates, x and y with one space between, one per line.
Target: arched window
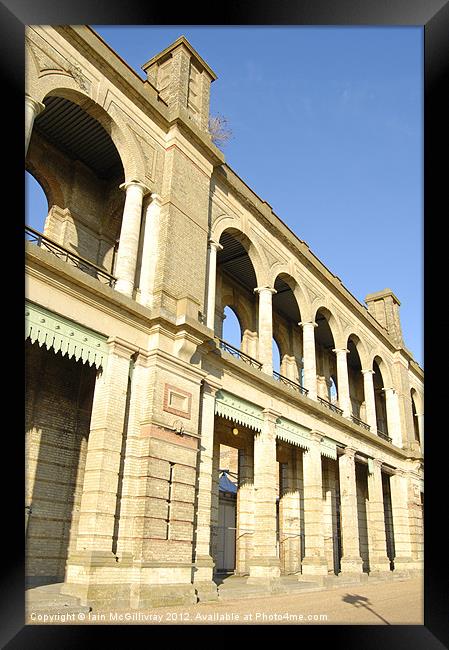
36 204
232 332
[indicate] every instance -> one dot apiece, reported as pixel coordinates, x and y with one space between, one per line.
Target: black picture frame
433 15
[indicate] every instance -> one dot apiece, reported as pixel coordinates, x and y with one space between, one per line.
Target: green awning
238 410
293 433
65 336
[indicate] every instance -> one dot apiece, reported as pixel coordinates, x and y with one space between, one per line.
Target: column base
102 580
382 575
380 564
351 565
266 568
205 587
314 566
407 566
206 591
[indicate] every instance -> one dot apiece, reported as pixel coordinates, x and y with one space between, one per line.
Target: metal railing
384 436
227 347
289 383
330 406
360 422
66 255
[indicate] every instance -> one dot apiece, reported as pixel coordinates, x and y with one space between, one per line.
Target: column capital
367 372
304 323
215 244
377 462
388 389
270 415
210 387
121 348
37 106
350 452
155 198
341 350
316 436
125 186
266 289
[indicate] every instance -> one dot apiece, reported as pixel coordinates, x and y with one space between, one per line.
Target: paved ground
392 603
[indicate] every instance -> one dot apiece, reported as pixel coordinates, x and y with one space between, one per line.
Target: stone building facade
131 391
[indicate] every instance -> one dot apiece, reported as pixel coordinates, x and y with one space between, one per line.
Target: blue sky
327 127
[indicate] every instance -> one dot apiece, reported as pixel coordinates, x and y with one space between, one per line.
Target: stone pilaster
215 494
308 341
32 110
289 517
378 560
245 510
266 328
150 250
202 578
401 521
98 509
214 247
314 562
344 399
370 403
351 562
265 563
125 269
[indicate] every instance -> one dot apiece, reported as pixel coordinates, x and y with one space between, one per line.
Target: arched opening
75 158
415 416
355 379
236 281
379 398
287 333
276 356
326 364
36 203
333 395
232 331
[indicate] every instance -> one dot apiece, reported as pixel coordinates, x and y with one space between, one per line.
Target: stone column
401 523
351 562
202 578
264 563
214 247
150 250
308 343
266 328
245 510
377 540
289 517
393 416
125 269
344 399
32 110
314 562
370 403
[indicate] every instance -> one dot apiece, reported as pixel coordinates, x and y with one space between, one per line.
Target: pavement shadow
362 601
